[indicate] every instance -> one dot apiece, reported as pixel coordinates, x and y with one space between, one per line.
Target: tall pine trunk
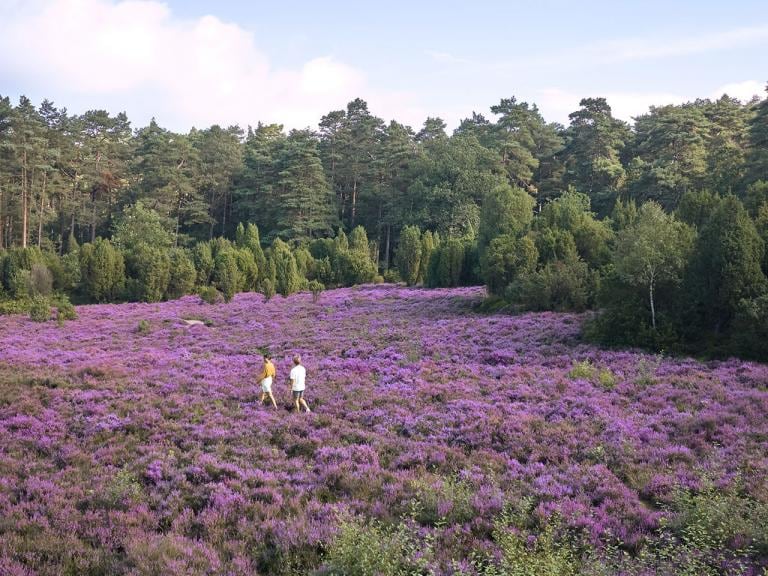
24 207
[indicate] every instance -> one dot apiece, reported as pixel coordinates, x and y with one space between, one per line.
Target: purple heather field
145 451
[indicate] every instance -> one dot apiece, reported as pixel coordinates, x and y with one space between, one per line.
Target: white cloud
138 55
743 91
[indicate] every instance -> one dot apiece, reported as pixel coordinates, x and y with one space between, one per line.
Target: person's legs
272 398
304 403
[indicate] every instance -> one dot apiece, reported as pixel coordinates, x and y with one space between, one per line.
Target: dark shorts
298 395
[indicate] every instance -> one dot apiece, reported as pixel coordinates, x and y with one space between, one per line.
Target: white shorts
266 385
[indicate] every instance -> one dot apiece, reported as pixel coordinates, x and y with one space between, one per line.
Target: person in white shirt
298 376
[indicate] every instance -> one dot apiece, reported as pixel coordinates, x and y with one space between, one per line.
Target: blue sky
198 63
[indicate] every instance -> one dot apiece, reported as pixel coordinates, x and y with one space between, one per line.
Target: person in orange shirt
265 379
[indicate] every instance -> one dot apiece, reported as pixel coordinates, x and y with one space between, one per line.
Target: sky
193 63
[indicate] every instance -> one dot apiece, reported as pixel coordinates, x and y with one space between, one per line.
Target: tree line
660 226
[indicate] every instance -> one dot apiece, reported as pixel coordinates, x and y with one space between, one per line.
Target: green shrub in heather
316 288
362 548
408 256
40 280
287 278
446 266
150 270
103 270
249 272
64 309
40 309
248 237
182 274
210 295
428 243
202 257
507 258
226 274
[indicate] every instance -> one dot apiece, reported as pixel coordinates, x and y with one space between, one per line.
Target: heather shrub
716 520
535 555
210 295
40 309
442 501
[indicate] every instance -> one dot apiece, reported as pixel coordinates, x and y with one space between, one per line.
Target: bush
40 309
150 267
365 548
287 277
226 274
203 260
562 285
210 295
18 306
268 289
143 327
103 270
182 274
64 309
316 288
408 256
40 280
392 276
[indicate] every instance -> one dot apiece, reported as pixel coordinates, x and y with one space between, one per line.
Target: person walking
298 377
265 379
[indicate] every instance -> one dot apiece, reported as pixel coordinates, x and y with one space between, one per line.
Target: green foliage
226 274
583 370
149 268
210 295
287 278
506 210
428 244
446 266
653 250
750 328
64 309
182 274
506 258
202 256
408 257
695 208
249 272
40 309
40 280
363 548
140 225
103 270
562 285
316 288
726 268
144 327
268 289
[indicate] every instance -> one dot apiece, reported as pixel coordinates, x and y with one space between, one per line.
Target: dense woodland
659 226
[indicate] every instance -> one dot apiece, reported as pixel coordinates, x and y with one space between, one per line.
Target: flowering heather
127 451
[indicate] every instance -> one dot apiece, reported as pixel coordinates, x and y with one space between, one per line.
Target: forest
659 226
